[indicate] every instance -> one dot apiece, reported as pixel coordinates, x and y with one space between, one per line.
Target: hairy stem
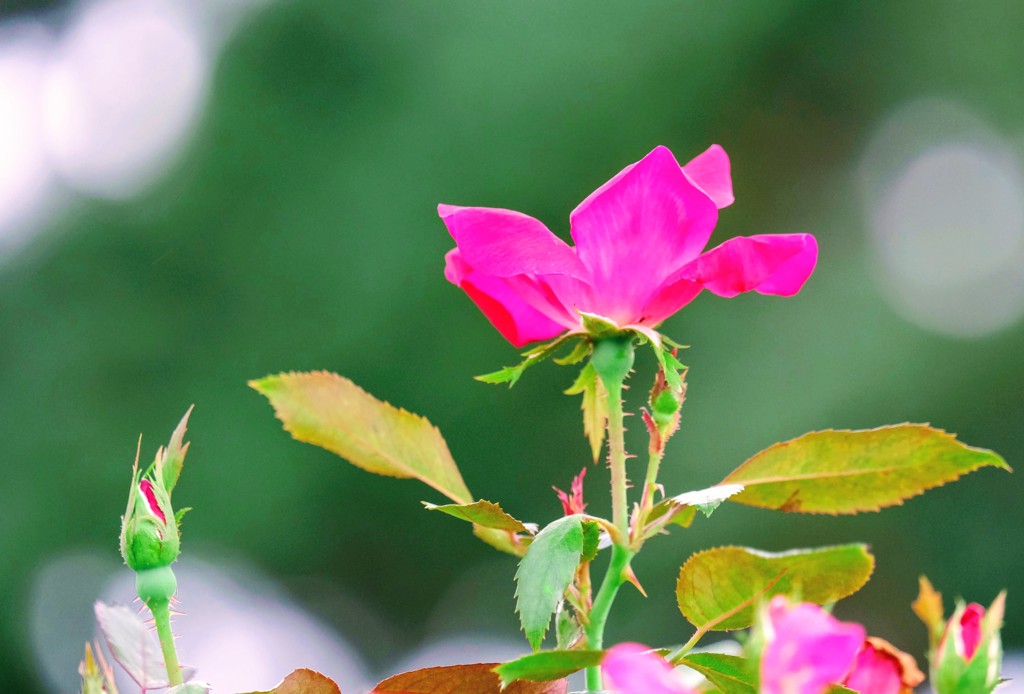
162 618
617 457
613 580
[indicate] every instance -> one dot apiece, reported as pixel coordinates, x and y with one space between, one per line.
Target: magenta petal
970 630
875 672
807 649
768 264
637 230
668 299
504 243
517 321
631 668
710 172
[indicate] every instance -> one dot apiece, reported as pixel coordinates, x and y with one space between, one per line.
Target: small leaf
852 471
715 582
305 681
462 679
594 406
591 540
484 513
567 628
928 608
332 412
132 644
534 355
173 457
729 673
504 540
547 665
544 574
680 509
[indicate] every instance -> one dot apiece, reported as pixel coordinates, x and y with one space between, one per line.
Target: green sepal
535 355
598 326
547 665
594 407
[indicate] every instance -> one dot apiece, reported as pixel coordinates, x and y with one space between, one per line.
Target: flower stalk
613 580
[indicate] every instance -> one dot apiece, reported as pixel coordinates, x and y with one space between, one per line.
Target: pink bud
881 668
970 631
146 487
806 649
632 668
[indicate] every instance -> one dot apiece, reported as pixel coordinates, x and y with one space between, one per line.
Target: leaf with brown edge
841 472
717 588
305 681
463 679
483 513
332 412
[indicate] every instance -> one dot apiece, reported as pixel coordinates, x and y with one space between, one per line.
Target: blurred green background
297 230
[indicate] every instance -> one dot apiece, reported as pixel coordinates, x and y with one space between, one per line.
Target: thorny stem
617 457
651 481
162 618
613 580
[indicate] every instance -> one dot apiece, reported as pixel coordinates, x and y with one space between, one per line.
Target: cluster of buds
965 652
150 536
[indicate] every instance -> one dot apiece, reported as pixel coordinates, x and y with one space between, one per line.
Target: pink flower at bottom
638 256
632 668
806 649
881 668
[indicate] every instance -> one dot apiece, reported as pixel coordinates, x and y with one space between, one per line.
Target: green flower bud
968 658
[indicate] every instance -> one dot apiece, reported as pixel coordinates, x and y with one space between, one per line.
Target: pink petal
637 230
970 630
668 299
807 649
632 668
515 319
504 243
768 264
146 487
709 171
875 672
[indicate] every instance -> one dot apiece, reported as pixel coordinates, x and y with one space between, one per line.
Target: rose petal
807 650
668 299
632 668
503 243
515 319
768 264
637 230
970 630
881 668
709 171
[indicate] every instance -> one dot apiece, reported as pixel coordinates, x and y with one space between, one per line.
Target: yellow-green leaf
853 471
594 406
484 513
719 588
547 665
332 412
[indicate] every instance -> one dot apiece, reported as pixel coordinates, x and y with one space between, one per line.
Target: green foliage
545 573
482 513
503 540
304 681
535 355
718 588
462 679
851 471
729 673
332 412
547 665
594 406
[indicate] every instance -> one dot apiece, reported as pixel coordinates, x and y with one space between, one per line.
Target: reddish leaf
463 679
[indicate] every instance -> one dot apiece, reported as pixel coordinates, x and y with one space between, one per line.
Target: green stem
617 457
162 618
651 481
613 580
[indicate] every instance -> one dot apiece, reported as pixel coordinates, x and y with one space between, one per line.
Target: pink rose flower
806 649
638 255
881 668
632 668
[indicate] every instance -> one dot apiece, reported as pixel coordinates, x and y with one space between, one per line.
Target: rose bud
969 654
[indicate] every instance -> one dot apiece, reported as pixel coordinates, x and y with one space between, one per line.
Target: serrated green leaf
132 644
594 406
332 412
462 679
852 471
483 513
547 665
680 509
714 583
534 355
579 352
729 673
304 681
545 573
